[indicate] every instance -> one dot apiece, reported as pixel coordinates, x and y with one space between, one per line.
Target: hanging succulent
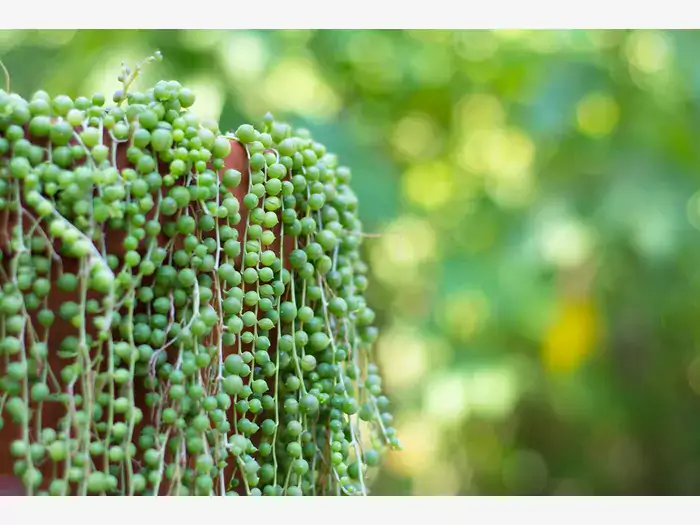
182 310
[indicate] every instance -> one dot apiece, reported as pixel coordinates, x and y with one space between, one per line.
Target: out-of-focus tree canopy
535 194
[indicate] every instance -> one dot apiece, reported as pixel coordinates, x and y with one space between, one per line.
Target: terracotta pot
51 412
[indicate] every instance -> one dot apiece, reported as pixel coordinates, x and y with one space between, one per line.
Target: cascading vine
197 327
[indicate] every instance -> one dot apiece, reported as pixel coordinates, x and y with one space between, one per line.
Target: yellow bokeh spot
509 153
446 397
373 56
415 136
504 157
475 45
402 344
597 114
544 41
648 51
404 245
512 34
370 47
429 186
467 189
209 97
472 151
514 192
433 65
572 336
298 38
465 313
492 391
296 85
479 111
200 39
420 436
244 55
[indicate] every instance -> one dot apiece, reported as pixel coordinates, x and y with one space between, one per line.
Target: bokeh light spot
370 47
512 35
429 186
202 40
465 314
479 111
420 436
210 97
403 247
475 45
446 397
415 136
492 390
402 344
572 336
432 65
563 240
244 55
508 153
648 51
296 85
597 114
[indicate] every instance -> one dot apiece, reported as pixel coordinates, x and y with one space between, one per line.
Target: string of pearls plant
233 301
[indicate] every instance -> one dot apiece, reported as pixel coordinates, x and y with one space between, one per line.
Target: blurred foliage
537 263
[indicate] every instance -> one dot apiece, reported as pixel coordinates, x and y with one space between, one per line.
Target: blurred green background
535 195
